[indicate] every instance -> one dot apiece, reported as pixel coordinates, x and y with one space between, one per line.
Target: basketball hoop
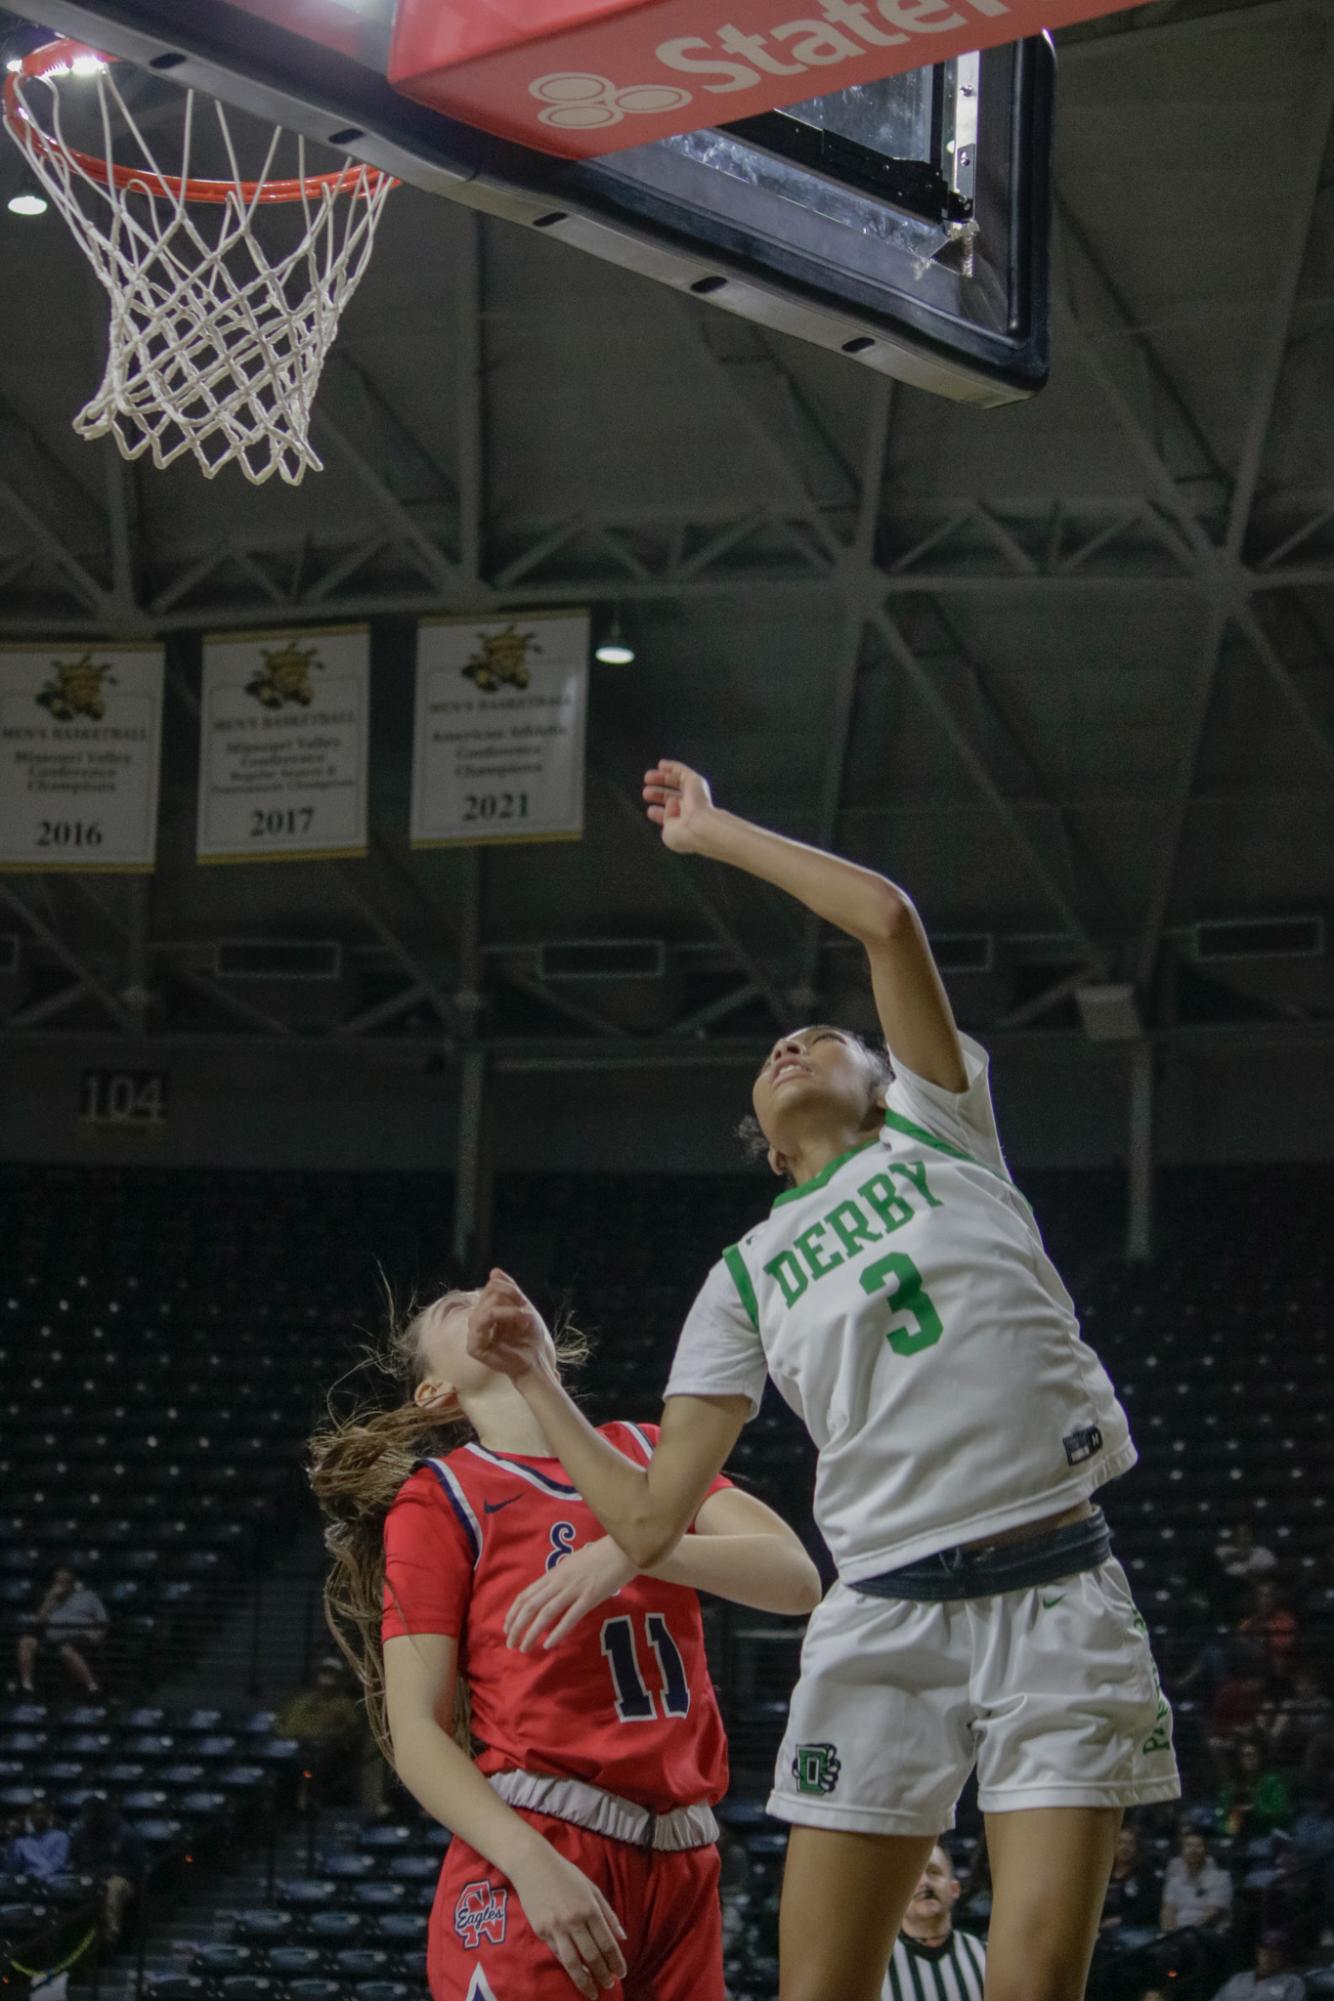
217 340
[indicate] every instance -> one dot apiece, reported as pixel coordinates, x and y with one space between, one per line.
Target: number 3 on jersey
634 1702
900 1276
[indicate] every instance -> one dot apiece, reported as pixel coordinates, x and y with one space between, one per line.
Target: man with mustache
930 1957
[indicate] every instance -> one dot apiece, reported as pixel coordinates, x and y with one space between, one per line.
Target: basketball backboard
902 222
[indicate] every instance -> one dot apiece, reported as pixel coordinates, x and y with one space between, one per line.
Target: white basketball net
216 343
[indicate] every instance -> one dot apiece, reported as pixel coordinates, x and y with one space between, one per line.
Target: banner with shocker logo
80 747
498 746
283 740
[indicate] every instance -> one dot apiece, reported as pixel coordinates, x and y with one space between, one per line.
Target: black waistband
991 1567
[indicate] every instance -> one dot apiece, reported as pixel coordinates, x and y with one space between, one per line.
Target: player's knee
1050 1971
814 1982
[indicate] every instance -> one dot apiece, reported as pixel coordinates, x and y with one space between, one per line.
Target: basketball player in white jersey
900 1297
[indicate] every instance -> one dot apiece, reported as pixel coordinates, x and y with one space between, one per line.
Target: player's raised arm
645 1509
910 999
739 1550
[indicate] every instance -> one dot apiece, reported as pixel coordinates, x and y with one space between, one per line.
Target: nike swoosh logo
494 1507
1047 1603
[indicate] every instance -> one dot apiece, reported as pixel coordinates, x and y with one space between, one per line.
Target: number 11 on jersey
634 1701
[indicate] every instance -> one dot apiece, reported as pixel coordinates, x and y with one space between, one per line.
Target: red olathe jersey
624 1701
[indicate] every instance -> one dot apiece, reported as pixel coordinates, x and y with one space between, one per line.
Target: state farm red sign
581 77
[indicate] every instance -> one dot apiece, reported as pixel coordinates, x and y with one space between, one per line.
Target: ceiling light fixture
614 650
28 198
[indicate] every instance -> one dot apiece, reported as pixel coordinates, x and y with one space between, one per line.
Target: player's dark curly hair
751 1133
359 1460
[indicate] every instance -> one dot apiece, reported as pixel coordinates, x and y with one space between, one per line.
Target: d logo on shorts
481 1913
816 1768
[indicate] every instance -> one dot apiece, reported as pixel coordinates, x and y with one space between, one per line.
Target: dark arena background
1061 668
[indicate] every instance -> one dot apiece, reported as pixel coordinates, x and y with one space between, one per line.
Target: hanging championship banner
80 747
498 744
283 739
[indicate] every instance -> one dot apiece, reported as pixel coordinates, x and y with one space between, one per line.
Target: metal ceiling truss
1012 549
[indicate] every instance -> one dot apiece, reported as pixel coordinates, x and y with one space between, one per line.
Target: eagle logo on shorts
816 1768
481 1913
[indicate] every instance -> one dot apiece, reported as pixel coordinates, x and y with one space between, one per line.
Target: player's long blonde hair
358 1462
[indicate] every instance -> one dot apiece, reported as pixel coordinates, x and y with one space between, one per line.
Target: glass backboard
903 223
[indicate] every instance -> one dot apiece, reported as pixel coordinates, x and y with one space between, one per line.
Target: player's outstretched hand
572 1587
570 1914
505 1329
679 801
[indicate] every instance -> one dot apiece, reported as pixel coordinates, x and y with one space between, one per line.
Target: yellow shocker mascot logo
285 676
501 659
76 690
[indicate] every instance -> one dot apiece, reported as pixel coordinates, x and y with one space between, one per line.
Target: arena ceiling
1063 669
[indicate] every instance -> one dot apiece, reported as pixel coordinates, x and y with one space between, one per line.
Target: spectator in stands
1239 1697
1253 1800
41 1849
71 1621
325 1720
1218 1660
1134 1891
1272 1978
1313 1849
1272 1625
1292 1717
1197 1894
105 1846
1313 1829
1317 1767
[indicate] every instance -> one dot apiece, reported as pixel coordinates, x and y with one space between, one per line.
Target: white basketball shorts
1051 1691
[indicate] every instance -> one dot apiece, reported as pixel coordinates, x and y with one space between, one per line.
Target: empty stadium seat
212 1961
246 1987
263 1925
360 1962
335 1928
289 1962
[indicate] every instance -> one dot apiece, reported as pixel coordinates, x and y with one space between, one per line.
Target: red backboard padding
582 77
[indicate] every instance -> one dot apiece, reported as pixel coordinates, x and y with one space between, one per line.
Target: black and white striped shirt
951 1971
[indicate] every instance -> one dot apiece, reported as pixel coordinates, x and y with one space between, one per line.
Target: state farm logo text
736 59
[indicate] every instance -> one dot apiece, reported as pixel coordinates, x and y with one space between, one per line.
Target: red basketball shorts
481 1947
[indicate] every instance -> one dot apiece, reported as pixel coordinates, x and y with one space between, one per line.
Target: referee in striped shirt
932 1961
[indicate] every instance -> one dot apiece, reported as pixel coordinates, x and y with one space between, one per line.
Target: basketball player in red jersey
584 1845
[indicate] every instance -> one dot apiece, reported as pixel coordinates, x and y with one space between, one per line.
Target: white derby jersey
905 1308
